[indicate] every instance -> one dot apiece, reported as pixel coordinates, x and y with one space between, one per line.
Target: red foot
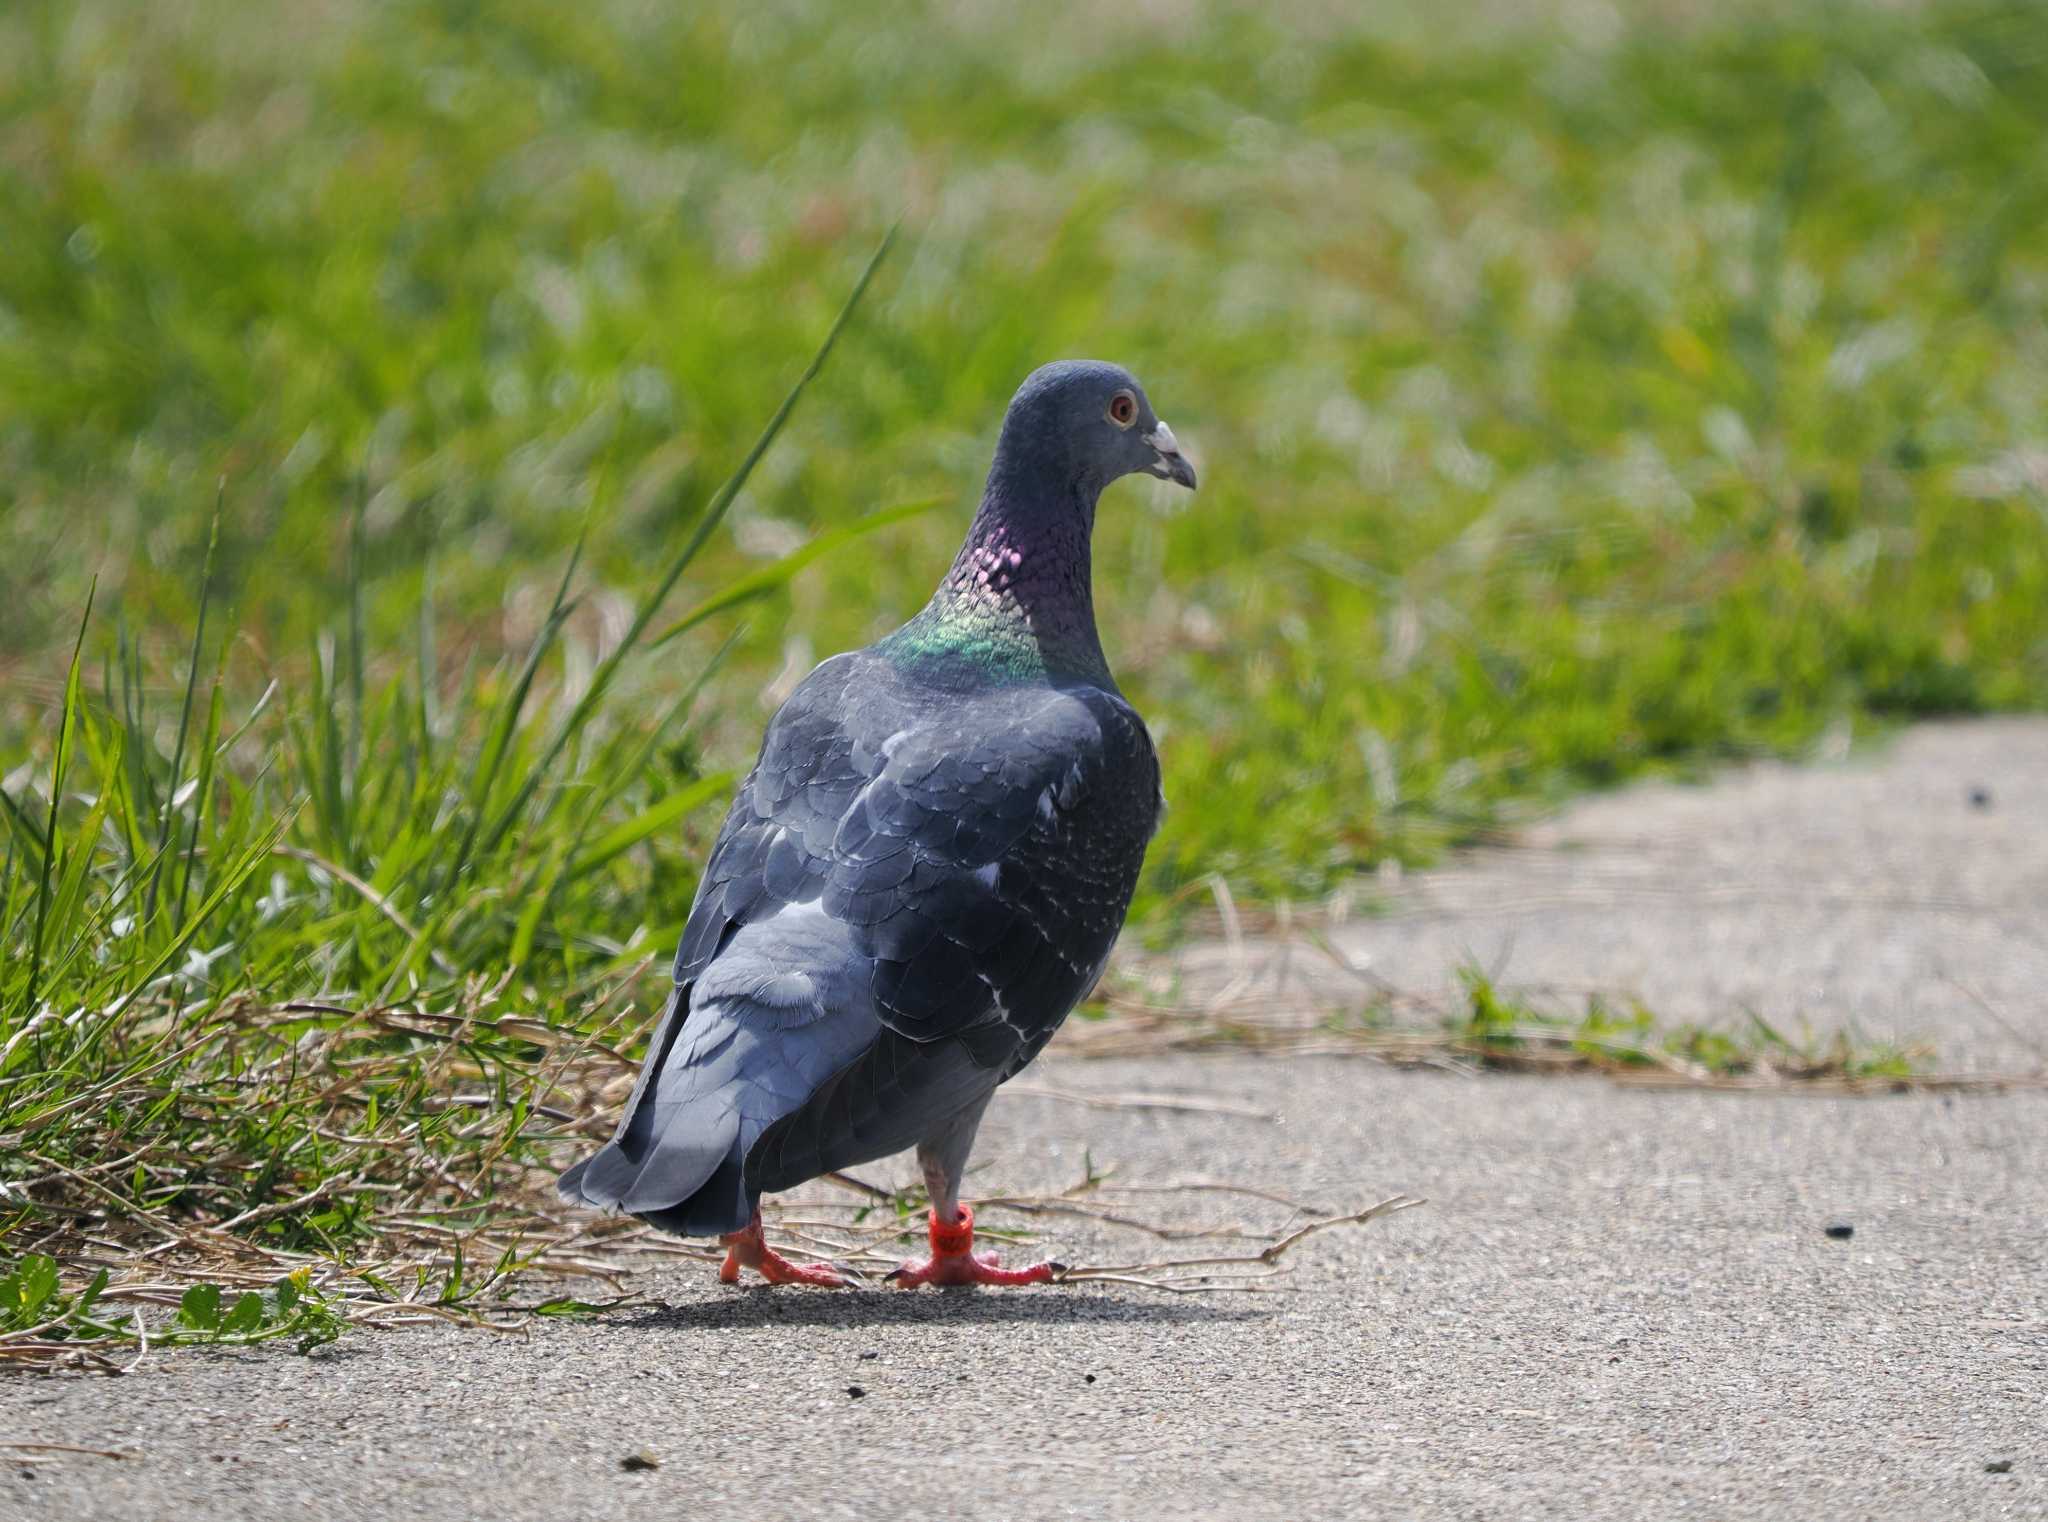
954 1261
750 1249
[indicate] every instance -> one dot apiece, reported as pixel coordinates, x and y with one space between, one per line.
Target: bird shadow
766 1306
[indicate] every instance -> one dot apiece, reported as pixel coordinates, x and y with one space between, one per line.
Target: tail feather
570 1185
676 1139
719 1205
759 1033
597 1180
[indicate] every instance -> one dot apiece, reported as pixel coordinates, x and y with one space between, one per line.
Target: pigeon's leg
749 1249
953 1260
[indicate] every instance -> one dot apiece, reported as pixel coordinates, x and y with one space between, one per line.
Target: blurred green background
1578 389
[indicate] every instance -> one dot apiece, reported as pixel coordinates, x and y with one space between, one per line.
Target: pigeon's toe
954 1261
749 1248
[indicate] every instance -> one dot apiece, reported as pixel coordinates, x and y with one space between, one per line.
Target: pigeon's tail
670 1150
711 1211
744 1046
677 1160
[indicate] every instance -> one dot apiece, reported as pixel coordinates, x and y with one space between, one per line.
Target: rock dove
921 876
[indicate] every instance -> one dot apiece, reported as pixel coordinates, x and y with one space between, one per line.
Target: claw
953 1260
748 1248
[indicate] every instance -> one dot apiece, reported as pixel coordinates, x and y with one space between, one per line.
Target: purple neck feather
1022 578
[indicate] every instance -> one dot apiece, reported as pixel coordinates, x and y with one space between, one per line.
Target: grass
1142 1012
249 1072
1572 403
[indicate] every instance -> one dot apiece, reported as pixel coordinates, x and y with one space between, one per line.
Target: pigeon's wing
982 859
801 748
982 856
1024 847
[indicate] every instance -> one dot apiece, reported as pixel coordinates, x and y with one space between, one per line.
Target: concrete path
1901 893
1617 1304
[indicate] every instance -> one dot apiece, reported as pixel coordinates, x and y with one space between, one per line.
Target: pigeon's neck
1019 601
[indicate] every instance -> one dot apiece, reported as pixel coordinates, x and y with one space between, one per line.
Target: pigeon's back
922 875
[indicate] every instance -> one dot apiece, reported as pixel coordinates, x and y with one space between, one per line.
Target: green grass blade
22 829
771 578
355 655
507 718
614 843
712 516
57 765
202 795
231 880
168 823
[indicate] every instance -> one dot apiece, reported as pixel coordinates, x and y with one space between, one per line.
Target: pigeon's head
1090 422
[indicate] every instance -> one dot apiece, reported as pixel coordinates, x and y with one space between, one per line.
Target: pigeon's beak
1171 465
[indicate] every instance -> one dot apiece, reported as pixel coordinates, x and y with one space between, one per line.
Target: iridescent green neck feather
1017 605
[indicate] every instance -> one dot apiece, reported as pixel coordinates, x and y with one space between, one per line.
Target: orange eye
1123 409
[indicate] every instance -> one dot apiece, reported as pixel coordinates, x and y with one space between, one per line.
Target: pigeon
921 876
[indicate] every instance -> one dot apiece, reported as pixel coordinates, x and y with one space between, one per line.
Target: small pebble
1088 1378
855 1391
634 1462
1980 797
1999 1466
1841 1230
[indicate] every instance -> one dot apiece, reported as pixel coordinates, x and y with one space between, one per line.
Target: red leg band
951 1241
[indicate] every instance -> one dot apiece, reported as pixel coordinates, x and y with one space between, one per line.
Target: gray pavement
1617 1303
1901 892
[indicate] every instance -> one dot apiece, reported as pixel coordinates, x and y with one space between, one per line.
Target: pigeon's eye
1123 409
